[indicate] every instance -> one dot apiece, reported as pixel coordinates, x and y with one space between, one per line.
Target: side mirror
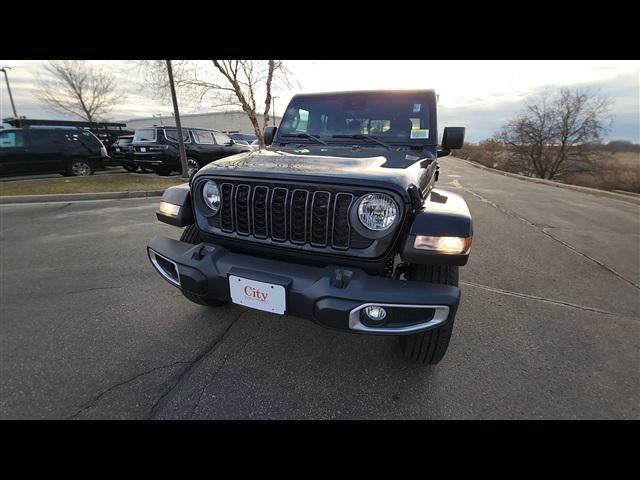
453 138
231 142
269 135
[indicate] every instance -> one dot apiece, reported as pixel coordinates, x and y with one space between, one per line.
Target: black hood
376 167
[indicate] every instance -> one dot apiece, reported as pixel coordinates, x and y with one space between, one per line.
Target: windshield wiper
304 135
361 136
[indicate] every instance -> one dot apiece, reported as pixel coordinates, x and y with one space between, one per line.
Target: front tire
79 167
130 167
163 172
429 347
192 235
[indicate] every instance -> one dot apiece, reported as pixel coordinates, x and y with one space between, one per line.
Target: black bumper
156 160
332 296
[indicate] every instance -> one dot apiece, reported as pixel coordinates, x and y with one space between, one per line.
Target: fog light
375 313
169 209
447 245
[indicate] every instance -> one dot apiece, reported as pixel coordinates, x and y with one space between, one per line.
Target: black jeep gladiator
337 221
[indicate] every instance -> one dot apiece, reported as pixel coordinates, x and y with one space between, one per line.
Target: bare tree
551 136
240 82
79 89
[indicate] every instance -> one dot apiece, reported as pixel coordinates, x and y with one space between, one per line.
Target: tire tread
429 347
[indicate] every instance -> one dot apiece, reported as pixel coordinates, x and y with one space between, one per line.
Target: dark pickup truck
337 221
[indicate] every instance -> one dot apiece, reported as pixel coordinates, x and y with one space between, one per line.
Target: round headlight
377 211
211 196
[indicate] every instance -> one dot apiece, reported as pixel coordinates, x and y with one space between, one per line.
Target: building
231 121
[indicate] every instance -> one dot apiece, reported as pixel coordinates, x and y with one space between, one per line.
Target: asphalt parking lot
548 326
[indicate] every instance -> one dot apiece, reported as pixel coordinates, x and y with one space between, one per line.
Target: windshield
392 118
144 135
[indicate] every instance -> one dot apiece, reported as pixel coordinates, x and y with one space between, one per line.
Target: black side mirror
453 138
231 142
269 135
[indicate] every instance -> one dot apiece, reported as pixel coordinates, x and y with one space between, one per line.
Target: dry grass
612 171
618 171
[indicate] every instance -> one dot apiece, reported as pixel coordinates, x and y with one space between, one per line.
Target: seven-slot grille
288 214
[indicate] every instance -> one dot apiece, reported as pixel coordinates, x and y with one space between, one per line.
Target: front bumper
332 296
154 159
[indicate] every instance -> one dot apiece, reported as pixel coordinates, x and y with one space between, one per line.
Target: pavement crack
544 231
536 298
192 365
95 399
224 361
92 289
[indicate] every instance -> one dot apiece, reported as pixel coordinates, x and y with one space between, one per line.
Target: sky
480 95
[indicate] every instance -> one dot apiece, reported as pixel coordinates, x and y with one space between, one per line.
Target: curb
627 198
74 197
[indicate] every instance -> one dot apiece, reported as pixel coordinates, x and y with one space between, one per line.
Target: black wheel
79 167
429 347
163 171
130 167
192 235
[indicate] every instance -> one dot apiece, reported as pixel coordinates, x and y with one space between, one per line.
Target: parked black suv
121 153
337 221
34 150
157 148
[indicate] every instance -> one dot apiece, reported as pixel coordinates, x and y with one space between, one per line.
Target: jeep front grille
288 214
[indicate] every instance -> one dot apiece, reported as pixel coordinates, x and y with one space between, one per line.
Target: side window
203 137
12 139
46 138
172 135
221 138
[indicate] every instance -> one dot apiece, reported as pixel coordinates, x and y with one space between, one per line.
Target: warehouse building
231 121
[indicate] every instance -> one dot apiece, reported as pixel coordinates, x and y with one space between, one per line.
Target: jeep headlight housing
211 196
377 211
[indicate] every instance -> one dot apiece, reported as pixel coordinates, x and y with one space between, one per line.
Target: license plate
259 295
143 149
117 149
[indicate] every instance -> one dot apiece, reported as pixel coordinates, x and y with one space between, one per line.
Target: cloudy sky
480 95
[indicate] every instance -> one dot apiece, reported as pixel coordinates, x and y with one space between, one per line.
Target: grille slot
298 223
341 232
226 209
260 198
288 213
320 218
278 214
242 210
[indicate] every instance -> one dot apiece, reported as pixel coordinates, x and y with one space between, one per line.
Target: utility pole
273 109
176 113
6 78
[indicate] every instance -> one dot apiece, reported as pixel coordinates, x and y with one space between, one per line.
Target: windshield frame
425 97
